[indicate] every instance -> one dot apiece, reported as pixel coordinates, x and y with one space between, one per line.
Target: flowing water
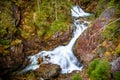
63 55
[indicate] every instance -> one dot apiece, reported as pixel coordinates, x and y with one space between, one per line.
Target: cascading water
62 55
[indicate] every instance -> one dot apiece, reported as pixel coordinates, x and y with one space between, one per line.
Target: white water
62 55
77 12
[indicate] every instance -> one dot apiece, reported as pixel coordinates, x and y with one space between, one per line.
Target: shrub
76 77
98 70
52 16
4 42
92 66
117 76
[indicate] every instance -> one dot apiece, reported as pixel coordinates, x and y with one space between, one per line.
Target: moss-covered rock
7 22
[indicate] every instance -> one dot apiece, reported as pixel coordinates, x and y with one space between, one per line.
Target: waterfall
77 12
62 55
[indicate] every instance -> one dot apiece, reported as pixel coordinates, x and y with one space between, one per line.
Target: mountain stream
63 55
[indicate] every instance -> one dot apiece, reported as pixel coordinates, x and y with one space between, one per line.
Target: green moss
112 31
118 51
21 3
7 23
100 7
2 32
103 4
111 3
92 66
41 31
117 76
30 76
92 17
51 16
76 77
98 70
4 42
25 34
57 26
117 5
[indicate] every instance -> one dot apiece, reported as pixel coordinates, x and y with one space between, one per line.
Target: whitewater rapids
63 55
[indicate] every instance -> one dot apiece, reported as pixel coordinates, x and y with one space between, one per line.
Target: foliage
112 31
100 7
7 23
117 76
103 4
51 14
22 3
116 4
111 3
56 26
76 77
92 66
4 42
18 3
118 51
15 42
91 17
26 76
98 70
30 76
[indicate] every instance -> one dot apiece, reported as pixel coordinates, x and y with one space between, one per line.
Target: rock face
45 72
89 40
115 65
12 61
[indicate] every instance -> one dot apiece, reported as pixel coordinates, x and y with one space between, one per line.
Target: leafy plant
111 3
4 42
117 76
100 7
7 22
98 70
76 77
51 16
92 66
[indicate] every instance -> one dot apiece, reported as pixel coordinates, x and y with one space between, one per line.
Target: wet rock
115 65
48 71
45 72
